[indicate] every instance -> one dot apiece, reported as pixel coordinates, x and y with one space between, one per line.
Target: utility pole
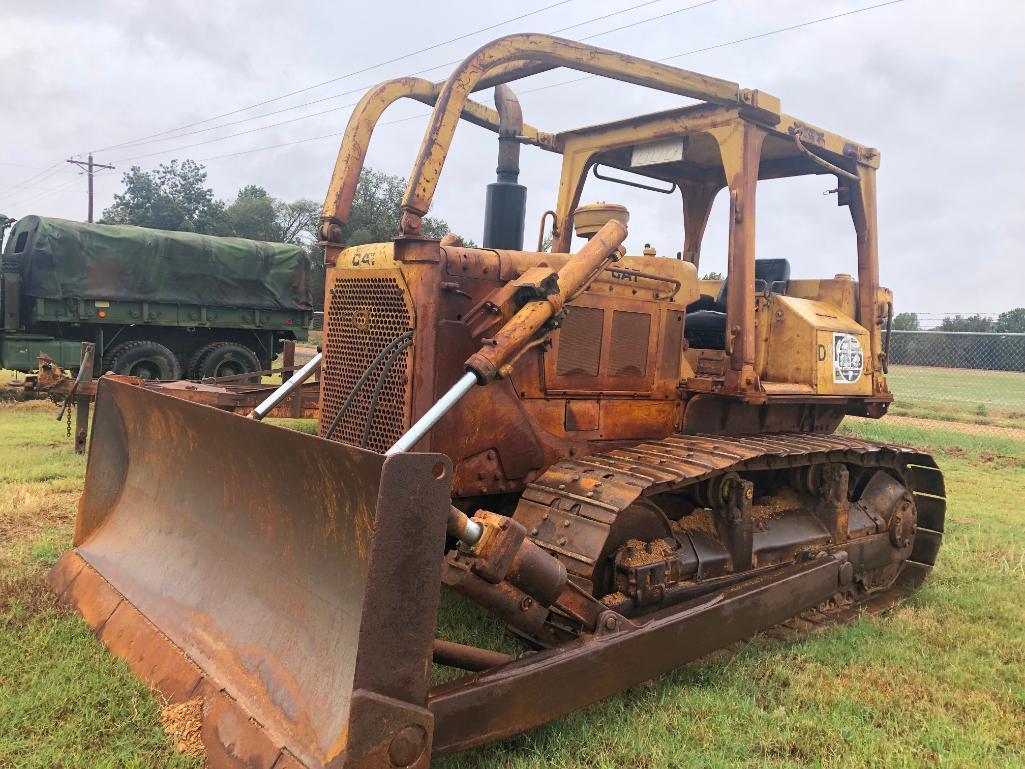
90 168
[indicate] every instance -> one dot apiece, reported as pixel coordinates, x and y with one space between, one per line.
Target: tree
971 323
298 221
251 215
377 209
713 276
173 197
259 216
1011 321
906 321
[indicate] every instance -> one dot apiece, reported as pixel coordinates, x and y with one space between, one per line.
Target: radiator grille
580 342
628 350
364 315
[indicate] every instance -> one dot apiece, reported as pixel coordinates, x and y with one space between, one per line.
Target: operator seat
705 327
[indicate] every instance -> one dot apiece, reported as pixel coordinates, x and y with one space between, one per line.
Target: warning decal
848 359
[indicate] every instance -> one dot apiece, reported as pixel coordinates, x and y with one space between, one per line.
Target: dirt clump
638 553
765 509
699 520
997 460
184 722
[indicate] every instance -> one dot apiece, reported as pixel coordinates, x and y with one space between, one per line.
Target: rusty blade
300 575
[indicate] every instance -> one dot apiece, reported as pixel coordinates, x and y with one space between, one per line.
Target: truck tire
192 367
226 359
146 360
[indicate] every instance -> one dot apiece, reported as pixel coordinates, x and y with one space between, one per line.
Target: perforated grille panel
628 350
365 314
580 342
669 365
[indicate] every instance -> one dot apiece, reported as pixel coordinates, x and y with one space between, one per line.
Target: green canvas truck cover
65 259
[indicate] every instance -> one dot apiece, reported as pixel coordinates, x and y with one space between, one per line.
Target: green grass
959 395
64 702
939 681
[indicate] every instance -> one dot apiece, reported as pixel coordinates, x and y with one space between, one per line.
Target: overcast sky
937 86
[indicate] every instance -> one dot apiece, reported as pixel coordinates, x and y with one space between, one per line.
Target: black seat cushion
705 325
706 329
767 272
704 302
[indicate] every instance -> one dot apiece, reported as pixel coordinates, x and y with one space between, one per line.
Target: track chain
570 508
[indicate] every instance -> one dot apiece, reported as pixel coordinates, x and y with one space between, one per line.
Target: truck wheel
227 359
146 360
192 367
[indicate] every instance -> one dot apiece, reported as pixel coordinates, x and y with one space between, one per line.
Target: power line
21 165
520 17
585 77
43 189
716 46
364 88
739 40
352 104
31 199
45 173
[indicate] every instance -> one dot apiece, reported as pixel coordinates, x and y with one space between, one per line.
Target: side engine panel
610 373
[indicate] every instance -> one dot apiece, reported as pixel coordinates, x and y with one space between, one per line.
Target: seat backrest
767 271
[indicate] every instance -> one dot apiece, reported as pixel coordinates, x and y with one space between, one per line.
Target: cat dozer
627 465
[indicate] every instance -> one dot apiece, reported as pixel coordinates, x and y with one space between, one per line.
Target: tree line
176 197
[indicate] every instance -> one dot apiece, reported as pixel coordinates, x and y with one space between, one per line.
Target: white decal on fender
848 359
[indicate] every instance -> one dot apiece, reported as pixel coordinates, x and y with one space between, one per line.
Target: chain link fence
975 379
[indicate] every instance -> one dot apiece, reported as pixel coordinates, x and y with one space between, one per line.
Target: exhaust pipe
506 203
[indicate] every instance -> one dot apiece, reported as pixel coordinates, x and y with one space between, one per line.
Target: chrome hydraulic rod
463 527
434 413
287 388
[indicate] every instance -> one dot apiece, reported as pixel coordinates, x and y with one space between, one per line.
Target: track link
571 508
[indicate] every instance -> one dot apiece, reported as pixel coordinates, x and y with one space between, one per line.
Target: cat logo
848 359
361 319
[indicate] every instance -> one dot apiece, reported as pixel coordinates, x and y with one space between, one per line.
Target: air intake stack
506 204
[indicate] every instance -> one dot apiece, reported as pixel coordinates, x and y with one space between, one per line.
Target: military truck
157 304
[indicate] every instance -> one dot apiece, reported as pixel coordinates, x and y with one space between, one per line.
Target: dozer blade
288 581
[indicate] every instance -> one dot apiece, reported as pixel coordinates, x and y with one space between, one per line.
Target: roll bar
516 56
501 61
358 132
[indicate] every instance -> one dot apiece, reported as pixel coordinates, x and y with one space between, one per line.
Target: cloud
935 86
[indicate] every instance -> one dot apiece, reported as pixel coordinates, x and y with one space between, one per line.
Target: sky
938 87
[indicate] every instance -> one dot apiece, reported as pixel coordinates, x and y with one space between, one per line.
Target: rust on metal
321 552
637 466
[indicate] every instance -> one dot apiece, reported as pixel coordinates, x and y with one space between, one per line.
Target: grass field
959 395
939 681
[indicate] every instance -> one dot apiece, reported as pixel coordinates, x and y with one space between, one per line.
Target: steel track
572 506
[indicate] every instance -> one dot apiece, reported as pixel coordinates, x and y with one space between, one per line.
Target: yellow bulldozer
629 466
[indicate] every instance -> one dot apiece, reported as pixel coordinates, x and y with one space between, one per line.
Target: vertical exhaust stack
506 204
